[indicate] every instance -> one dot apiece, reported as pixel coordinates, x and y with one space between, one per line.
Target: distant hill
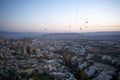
18 35
84 35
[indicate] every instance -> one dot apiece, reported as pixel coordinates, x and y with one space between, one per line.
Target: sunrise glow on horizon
59 15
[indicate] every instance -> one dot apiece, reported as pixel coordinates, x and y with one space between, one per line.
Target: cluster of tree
78 73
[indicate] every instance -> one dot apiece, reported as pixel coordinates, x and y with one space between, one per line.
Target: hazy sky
59 15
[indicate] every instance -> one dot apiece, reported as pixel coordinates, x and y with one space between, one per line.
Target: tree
67 58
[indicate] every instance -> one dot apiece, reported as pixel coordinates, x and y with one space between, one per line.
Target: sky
59 15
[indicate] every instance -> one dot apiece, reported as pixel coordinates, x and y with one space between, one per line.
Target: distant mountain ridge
40 35
89 35
18 34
